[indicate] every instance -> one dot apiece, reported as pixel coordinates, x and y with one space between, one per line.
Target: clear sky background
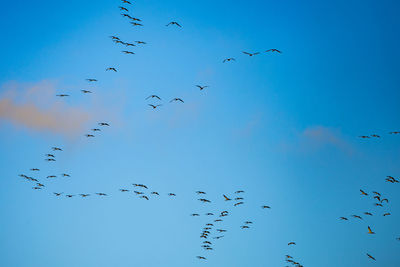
282 127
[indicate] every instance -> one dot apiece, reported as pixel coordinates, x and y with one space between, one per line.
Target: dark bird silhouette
228 59
218 237
239 203
375 135
201 258
155 193
385 199
376 193
362 192
251 54
397 132
356 216
209 214
378 205
291 243
238 192
113 69
372 258
50 155
50 160
370 231
386 214
69 196
84 195
128 52
226 198
173 23
244 227
238 198
140 42
126 15
89 135
202 87
91 80
171 195
135 23
177 99
114 37
364 136
273 50
200 192
126 2
154 106
51 176
35 169
129 44
343 218
101 194
145 197
153 96
194 214
86 91
62 95
104 124
368 213
57 194
123 8
124 190
265 207
36 188
56 149
96 130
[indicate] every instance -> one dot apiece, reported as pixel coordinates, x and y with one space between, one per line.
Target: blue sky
282 127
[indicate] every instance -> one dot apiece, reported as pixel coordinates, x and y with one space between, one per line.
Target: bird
377 198
153 96
155 193
202 87
50 159
265 207
378 205
364 136
123 8
96 130
397 132
370 231
385 199
51 176
177 99
57 194
114 37
343 218
375 135
369 256
251 54
35 169
145 197
91 80
84 195
113 69
50 155
129 44
136 24
124 190
69 196
101 194
200 192
376 193
248 222
173 23
201 258
239 203
386 214
86 92
238 192
362 192
56 149
126 2
244 227
126 15
238 198
368 213
140 42
218 237
356 216
228 59
62 95
204 200
89 135
218 220
226 198
209 214
154 106
136 19
37 188
128 52
291 243
194 214
104 124
171 194
273 50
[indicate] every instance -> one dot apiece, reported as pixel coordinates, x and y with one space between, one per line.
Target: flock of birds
215 228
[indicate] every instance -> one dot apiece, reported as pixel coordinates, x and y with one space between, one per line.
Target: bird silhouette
226 198
177 99
370 231
202 87
173 23
154 106
273 50
369 256
228 59
128 52
91 80
86 92
251 54
153 96
113 69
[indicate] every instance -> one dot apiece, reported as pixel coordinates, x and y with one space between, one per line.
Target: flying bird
364 136
370 231
84 195
89 135
239 203
238 192
128 52
57 194
375 135
356 216
228 59
173 23
177 99
291 243
155 193
368 213
35 169
124 190
140 42
50 155
101 194
113 69
273 50
62 95
104 124
226 198
362 192
386 214
86 91
50 160
200 192
91 80
265 207
201 258
56 149
136 24
96 130
343 218
123 8
369 256
153 96
202 87
251 54
194 214
244 227
154 106
126 2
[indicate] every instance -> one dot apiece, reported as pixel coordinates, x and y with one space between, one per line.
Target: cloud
35 107
318 137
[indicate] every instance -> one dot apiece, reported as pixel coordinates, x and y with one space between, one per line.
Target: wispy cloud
318 137
35 107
